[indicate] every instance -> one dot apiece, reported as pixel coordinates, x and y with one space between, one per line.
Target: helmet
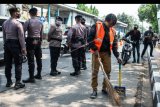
136 26
24 59
111 17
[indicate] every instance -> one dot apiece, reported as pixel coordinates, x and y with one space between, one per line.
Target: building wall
3 10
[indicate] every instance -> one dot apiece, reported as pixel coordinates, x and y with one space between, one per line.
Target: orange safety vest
100 33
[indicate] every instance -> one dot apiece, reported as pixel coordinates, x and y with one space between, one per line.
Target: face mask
58 22
18 16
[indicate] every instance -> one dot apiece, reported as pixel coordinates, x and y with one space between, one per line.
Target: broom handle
120 75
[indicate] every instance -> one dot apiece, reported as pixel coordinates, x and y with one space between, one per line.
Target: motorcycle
126 51
64 47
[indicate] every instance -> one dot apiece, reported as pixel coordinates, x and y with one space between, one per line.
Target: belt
60 40
12 40
34 38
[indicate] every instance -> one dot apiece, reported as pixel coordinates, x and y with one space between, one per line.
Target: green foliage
130 20
148 13
91 9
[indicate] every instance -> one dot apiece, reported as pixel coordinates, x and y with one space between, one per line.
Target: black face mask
18 16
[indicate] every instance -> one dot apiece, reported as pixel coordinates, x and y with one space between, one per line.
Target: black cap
59 18
136 26
150 27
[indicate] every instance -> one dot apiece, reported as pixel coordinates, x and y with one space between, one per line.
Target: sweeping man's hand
119 60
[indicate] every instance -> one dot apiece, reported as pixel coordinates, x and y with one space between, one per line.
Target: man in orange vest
102 39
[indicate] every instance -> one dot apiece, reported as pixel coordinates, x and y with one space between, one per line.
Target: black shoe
83 68
151 55
29 80
9 84
19 85
93 95
134 61
104 91
53 73
38 77
137 61
74 73
58 72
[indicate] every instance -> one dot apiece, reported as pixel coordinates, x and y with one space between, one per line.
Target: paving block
153 67
156 88
156 99
156 79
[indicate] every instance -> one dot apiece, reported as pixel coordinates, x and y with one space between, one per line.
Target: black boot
134 61
83 68
104 91
19 85
93 95
38 76
75 73
138 60
58 72
29 80
9 83
53 73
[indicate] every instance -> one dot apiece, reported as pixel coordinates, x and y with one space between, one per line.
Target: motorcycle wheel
124 60
61 52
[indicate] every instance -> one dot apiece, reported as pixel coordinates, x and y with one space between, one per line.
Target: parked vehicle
126 51
64 47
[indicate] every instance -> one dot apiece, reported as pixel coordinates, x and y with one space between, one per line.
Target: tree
130 20
148 13
91 9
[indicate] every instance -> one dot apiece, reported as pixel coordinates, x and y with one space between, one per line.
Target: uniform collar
11 18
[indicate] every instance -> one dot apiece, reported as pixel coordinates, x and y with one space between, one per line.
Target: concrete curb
154 80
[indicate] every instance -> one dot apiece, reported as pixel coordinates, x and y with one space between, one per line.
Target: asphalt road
67 91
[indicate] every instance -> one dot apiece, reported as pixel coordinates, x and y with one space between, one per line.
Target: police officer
75 40
55 39
14 47
135 37
155 39
83 49
33 42
148 36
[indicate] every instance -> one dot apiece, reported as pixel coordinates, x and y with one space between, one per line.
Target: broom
114 95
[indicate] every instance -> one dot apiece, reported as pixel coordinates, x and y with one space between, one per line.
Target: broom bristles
114 95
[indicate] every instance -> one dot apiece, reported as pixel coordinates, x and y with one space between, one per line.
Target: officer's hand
119 60
24 52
